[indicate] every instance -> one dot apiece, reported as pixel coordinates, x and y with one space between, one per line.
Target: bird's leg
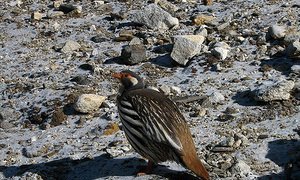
146 170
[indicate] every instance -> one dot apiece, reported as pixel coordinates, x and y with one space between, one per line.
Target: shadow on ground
282 64
286 154
87 169
245 98
164 61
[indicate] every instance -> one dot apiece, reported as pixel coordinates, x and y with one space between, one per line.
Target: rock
293 49
6 125
36 16
124 35
201 112
155 18
186 47
87 67
167 6
111 128
237 143
67 8
219 149
202 19
165 89
55 26
226 117
291 37
81 79
31 176
222 26
57 3
153 88
135 41
295 3
87 103
97 3
70 46
99 39
271 91
9 114
295 69
58 117
54 14
133 54
276 31
228 142
201 31
15 3
220 50
241 168
175 90
216 97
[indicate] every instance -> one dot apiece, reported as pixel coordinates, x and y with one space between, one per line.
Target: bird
154 125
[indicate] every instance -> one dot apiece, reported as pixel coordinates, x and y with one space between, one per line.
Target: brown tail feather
195 165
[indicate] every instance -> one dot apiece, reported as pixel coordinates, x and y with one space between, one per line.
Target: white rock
55 26
33 139
16 3
216 97
97 3
185 47
88 103
70 46
241 168
277 31
175 90
57 3
240 38
95 52
93 27
155 18
270 91
220 50
295 69
222 44
165 89
135 40
54 14
153 88
36 16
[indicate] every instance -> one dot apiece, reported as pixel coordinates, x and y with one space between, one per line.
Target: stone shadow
282 64
164 61
286 154
245 98
102 166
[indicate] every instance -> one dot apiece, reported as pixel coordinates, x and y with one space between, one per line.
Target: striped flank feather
149 122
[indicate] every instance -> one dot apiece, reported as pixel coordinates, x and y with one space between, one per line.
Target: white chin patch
134 81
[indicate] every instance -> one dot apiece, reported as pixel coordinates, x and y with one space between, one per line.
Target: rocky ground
232 67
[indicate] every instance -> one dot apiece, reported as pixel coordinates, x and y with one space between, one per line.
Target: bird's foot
146 170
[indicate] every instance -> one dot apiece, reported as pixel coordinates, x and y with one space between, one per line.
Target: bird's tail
195 165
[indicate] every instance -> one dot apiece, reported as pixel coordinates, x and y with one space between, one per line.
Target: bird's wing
160 116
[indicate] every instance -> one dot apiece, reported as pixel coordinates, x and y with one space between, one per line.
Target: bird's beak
117 75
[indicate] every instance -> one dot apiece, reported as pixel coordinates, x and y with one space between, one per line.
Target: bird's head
129 80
